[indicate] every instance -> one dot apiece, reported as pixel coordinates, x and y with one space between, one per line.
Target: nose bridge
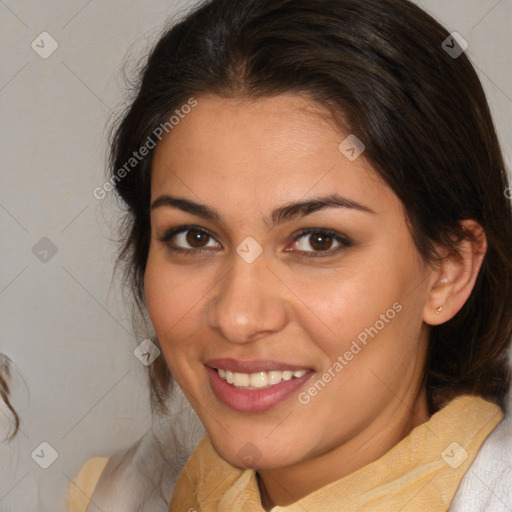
247 302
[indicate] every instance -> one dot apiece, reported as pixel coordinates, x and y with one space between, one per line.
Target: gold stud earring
439 309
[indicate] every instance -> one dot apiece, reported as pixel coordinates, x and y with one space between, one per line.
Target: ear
454 278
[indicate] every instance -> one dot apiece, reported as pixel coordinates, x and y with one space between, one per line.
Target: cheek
157 299
169 306
342 304
170 295
175 301
376 300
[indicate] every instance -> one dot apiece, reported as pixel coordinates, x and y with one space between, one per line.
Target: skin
244 159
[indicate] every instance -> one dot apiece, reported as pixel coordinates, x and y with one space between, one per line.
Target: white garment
487 485
142 478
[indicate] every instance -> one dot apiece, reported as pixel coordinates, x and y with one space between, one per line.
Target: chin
255 455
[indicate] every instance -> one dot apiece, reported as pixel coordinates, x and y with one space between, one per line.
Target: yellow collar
421 472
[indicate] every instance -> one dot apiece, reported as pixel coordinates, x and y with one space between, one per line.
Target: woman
319 232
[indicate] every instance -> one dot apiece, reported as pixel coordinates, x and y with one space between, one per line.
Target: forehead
278 148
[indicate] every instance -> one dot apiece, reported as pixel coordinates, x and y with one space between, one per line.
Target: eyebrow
279 215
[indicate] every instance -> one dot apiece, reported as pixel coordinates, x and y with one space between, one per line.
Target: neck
284 486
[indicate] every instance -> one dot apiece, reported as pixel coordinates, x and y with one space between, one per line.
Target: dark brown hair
5 375
380 68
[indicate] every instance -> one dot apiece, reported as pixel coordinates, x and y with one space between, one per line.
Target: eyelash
342 240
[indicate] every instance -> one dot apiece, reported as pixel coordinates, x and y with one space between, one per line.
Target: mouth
256 374
255 386
259 380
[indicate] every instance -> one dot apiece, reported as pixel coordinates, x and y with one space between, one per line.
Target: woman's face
313 313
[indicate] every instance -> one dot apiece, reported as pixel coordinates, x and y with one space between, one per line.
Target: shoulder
487 485
140 477
80 489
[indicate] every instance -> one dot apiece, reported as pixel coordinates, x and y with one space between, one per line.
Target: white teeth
241 380
259 380
274 377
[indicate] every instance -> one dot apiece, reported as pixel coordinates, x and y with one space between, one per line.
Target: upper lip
253 366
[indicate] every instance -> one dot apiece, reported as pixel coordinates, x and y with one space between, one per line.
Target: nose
248 303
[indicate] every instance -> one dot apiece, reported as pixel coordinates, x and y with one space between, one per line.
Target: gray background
64 323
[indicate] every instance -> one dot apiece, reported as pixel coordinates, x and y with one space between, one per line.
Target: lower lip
258 400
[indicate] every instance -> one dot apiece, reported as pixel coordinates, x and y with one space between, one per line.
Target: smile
259 380
255 386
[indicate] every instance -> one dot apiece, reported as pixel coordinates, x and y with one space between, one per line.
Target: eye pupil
320 240
196 238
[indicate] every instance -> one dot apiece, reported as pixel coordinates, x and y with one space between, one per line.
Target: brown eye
196 238
319 242
189 239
